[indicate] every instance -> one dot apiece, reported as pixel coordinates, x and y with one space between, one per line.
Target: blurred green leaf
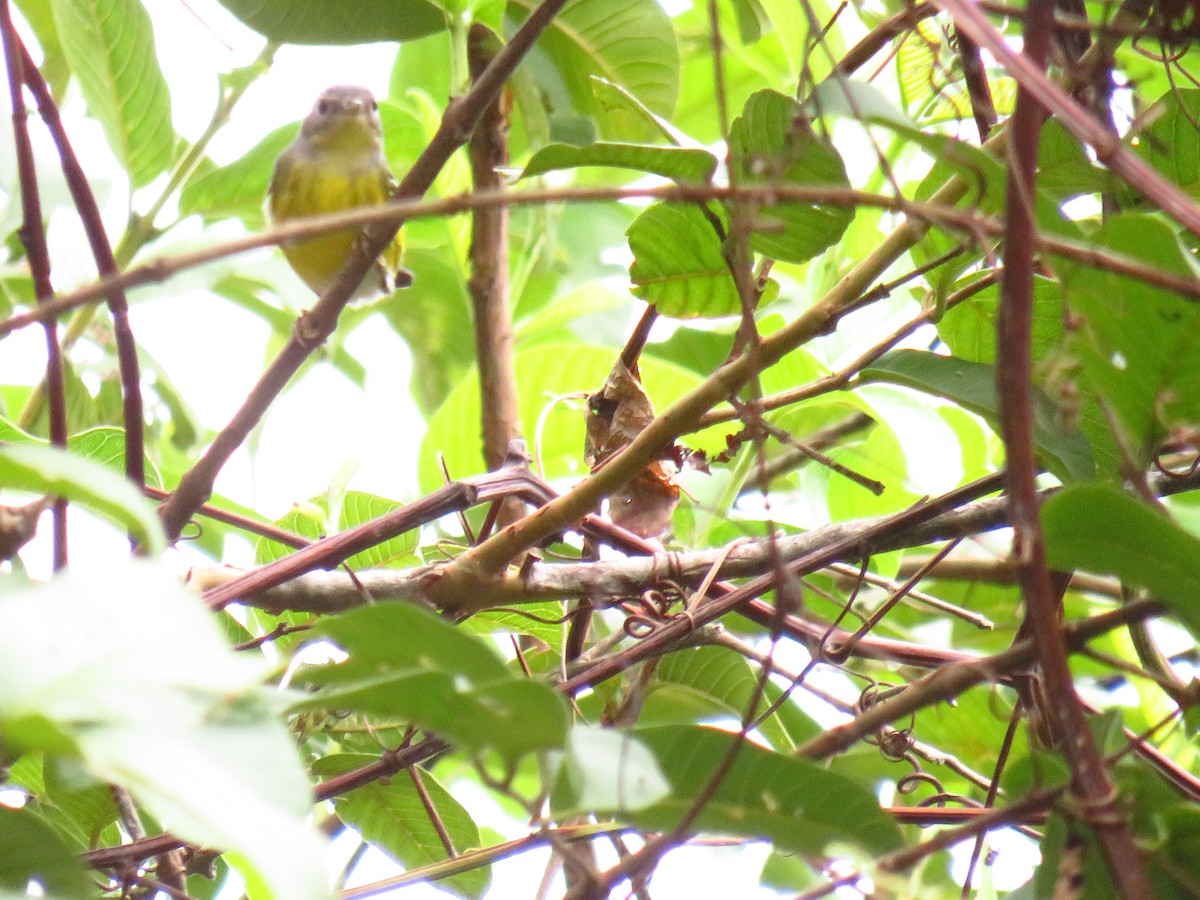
93 485
405 662
129 667
1104 530
544 372
794 803
631 44
338 21
973 387
109 45
1138 346
30 851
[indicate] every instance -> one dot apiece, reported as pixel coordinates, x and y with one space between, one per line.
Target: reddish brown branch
106 266
33 237
1090 777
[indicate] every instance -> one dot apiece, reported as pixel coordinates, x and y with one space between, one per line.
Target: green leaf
702 682
406 662
128 670
1102 529
358 508
771 144
1064 169
796 804
679 264
1171 143
973 387
50 470
238 190
306 521
391 815
110 47
338 21
614 99
676 163
31 851
106 445
917 59
1138 345
631 44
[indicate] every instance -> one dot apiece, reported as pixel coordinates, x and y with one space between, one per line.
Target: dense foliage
854 352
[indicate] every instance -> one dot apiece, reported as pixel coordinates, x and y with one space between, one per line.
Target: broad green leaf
434 317
109 45
405 662
545 629
791 30
676 163
338 21
127 670
400 636
93 485
511 717
973 387
31 851
631 44
1138 346
107 445
701 682
796 804
305 520
969 329
391 815
771 144
615 99
678 262
1102 529
788 873
81 810
238 190
358 508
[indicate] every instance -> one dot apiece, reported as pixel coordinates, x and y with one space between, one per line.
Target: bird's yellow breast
308 187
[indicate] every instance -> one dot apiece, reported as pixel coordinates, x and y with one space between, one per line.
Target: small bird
335 164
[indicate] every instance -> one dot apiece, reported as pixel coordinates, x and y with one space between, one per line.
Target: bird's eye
374 105
324 107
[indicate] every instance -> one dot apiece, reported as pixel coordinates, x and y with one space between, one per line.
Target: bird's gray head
340 106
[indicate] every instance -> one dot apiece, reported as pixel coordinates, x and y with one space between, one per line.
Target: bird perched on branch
336 164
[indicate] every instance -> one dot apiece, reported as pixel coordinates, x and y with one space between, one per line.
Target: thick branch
1090 777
